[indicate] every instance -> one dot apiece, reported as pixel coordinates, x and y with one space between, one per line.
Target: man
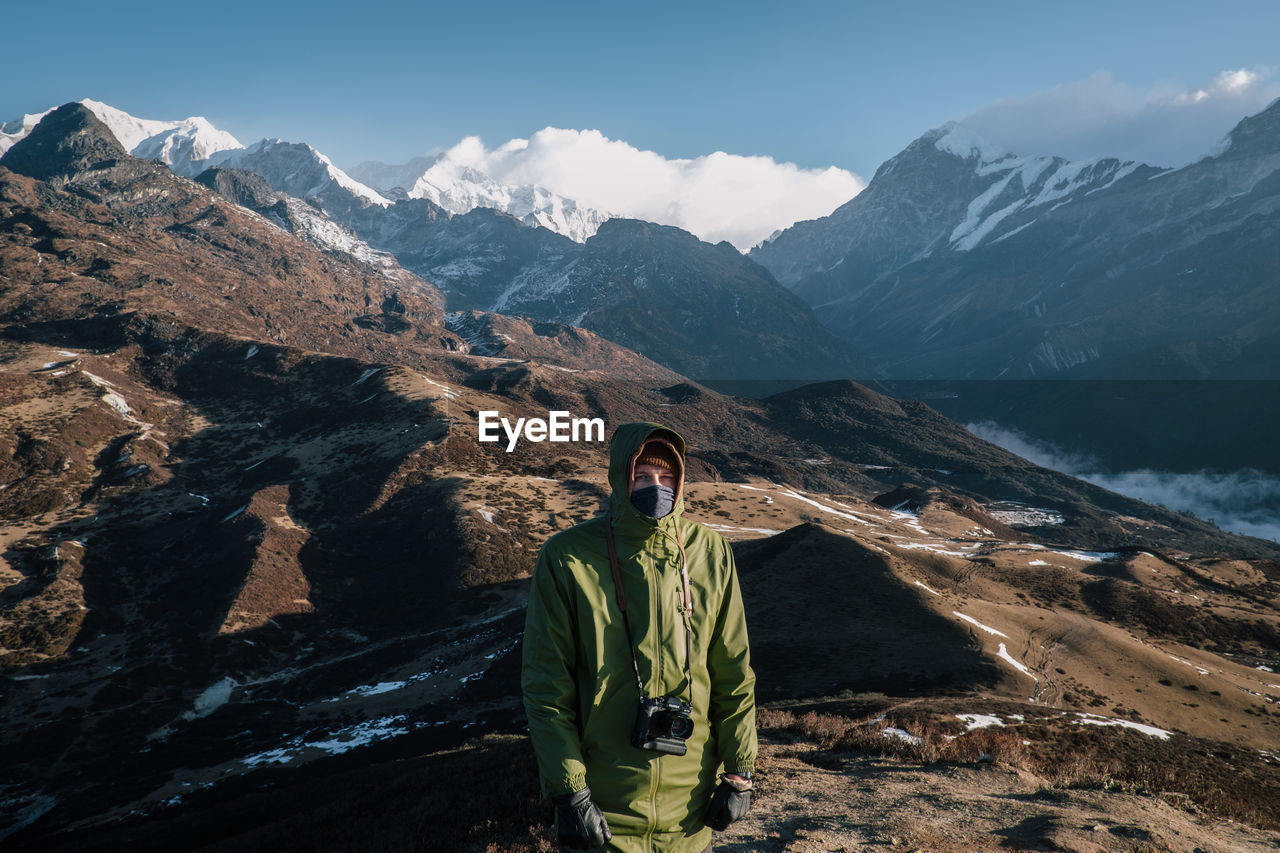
637 677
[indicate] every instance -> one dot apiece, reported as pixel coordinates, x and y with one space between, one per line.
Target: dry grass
1224 780
912 737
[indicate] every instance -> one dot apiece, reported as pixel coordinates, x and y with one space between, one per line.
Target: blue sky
815 83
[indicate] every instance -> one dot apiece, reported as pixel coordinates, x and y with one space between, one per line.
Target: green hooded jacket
579 685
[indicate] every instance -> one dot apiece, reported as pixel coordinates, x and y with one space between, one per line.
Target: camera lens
681 726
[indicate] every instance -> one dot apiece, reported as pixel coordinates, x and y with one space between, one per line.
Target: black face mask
654 501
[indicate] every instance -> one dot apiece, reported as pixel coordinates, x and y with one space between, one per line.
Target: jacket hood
623 450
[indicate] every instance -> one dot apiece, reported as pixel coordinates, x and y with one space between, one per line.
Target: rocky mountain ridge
192 145
710 313
962 261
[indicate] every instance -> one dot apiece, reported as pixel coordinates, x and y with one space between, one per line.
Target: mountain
962 261
261 586
14 130
461 189
298 170
306 219
66 143
192 145
389 178
178 144
702 310
696 308
699 309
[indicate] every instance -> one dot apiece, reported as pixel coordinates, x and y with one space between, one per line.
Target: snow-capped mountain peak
178 144
191 145
1021 187
175 143
133 132
12 132
955 138
385 177
460 188
949 191
295 168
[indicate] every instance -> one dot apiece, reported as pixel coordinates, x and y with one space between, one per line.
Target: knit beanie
659 453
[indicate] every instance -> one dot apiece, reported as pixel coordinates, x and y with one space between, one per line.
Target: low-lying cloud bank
717 196
1244 501
1101 117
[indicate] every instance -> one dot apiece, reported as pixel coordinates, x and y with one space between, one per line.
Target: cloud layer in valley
717 196
1101 117
1244 501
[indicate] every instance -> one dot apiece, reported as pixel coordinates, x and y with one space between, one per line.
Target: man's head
656 465
655 478
633 447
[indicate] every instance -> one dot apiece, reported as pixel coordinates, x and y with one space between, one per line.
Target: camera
662 725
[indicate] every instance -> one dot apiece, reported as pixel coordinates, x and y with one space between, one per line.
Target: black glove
727 805
579 822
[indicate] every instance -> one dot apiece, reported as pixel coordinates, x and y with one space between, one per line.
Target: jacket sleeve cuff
740 765
567 785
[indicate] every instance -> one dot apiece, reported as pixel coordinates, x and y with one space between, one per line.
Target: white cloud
717 196
1241 501
1100 117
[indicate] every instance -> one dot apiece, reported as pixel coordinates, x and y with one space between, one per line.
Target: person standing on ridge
636 673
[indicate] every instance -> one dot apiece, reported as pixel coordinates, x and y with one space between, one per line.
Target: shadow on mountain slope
284 534
827 614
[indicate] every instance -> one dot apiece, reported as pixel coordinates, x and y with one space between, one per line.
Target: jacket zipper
655 597
655 585
656 787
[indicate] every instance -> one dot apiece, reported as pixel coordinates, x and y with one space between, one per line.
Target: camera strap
686 615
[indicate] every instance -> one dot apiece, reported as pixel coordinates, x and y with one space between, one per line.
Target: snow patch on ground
1089 556
845 515
1198 669
115 400
936 549
383 686
112 398
901 734
1017 514
448 392
926 588
1004 655
908 518
488 515
213 698
233 514
764 530
337 741
1094 720
992 631
980 721
376 689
